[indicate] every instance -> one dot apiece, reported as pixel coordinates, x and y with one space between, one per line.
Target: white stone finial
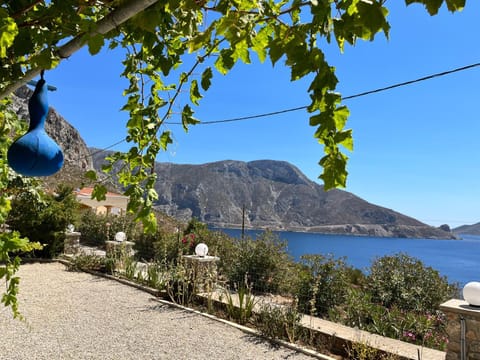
471 293
201 250
120 236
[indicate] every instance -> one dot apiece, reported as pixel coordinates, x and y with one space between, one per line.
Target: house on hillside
115 204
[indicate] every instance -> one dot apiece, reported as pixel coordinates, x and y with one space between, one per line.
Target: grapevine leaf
165 139
187 117
99 192
8 31
195 95
95 43
206 78
225 61
91 175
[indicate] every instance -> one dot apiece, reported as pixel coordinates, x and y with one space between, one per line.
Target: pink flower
409 335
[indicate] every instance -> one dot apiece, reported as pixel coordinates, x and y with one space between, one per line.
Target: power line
405 83
369 92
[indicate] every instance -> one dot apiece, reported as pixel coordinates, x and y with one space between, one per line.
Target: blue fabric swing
35 153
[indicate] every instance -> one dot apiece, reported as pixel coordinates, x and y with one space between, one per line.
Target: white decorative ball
201 249
471 293
120 236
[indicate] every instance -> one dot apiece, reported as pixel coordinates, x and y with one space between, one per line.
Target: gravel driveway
75 315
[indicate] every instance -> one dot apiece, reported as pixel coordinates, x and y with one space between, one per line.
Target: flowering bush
358 310
405 282
189 242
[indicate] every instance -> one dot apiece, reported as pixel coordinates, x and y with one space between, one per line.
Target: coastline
376 230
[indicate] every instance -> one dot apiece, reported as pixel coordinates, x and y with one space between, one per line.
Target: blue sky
416 147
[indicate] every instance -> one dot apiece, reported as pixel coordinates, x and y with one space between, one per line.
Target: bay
458 260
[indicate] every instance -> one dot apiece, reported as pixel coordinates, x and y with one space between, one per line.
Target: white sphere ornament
201 249
471 293
120 236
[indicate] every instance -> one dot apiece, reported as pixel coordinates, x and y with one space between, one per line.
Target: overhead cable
369 92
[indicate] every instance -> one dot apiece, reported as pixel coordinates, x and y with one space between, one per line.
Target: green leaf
206 78
334 170
8 31
187 117
225 61
276 50
99 192
47 59
242 52
340 116
260 42
95 43
195 95
345 139
455 5
91 175
149 223
165 139
432 5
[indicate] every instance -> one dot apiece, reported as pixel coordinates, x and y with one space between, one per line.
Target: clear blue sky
416 148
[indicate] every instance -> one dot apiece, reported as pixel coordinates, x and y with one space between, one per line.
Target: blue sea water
458 260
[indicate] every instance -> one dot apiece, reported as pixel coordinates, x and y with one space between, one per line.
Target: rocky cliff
275 195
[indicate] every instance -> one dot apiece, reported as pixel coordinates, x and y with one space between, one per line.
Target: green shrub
95 228
264 261
160 246
358 310
323 284
166 246
279 322
89 262
43 218
405 282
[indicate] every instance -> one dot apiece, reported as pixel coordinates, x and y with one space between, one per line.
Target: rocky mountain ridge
275 195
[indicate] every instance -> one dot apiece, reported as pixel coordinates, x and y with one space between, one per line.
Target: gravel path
74 315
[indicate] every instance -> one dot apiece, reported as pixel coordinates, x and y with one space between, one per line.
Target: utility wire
102 150
429 77
397 85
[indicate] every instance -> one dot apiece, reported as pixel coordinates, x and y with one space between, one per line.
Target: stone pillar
463 329
71 244
202 270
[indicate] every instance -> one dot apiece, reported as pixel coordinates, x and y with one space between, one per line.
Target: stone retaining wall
463 330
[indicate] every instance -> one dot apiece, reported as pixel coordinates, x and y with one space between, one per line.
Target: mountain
274 195
468 229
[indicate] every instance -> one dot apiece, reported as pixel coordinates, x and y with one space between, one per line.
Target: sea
458 260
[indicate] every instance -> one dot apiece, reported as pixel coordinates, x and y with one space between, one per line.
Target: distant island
467 229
